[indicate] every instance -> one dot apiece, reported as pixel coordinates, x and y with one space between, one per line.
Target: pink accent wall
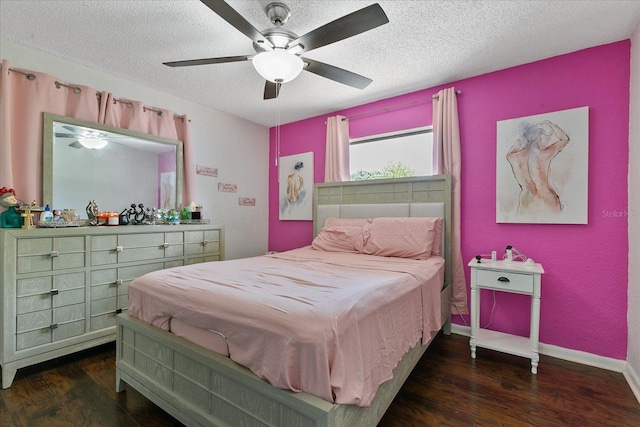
584 290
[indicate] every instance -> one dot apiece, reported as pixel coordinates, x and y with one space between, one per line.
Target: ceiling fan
278 50
87 138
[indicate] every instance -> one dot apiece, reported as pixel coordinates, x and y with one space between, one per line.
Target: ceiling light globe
278 66
93 143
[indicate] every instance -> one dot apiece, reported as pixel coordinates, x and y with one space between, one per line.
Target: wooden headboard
417 197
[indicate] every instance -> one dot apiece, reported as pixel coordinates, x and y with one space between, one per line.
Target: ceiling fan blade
64 135
349 25
337 74
271 90
75 144
206 61
70 128
230 15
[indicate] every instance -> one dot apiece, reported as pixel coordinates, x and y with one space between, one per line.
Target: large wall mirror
85 161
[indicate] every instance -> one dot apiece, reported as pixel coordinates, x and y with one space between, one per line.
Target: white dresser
62 288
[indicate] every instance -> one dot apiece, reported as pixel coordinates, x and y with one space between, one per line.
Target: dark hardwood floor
446 388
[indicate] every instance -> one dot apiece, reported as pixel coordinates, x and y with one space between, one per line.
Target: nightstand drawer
508 281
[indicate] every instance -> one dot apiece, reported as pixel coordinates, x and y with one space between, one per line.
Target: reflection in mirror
85 161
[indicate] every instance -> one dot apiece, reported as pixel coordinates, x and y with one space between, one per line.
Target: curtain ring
158 112
76 89
129 104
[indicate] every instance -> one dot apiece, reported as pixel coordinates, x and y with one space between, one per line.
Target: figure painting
296 187
542 168
168 190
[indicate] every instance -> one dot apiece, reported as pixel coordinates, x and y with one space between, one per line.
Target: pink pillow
338 238
399 237
437 241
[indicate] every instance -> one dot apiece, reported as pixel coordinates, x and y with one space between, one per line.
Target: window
391 155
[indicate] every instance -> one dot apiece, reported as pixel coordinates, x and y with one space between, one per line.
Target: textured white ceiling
426 43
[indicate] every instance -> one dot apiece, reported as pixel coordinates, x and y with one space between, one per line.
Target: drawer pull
204 242
53 292
118 311
503 279
119 249
53 326
118 281
54 254
165 245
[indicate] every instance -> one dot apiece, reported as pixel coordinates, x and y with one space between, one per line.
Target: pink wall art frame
542 168
296 187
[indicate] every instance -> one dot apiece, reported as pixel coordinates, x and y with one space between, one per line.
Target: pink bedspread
331 324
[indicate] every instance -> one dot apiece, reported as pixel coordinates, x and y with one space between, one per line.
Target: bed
200 386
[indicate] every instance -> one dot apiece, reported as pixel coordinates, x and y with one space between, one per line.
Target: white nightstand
515 277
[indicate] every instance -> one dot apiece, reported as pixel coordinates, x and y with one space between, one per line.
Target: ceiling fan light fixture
278 66
92 142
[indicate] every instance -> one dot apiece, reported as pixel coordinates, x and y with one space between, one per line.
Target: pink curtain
24 96
446 160
188 169
337 151
136 116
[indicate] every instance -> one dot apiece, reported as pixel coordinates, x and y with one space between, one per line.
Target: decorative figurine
123 219
173 217
92 212
138 214
9 218
150 216
27 222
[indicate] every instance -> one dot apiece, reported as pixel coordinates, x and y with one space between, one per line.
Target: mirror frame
48 141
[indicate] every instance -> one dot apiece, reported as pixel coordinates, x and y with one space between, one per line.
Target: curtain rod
129 104
394 107
77 90
29 76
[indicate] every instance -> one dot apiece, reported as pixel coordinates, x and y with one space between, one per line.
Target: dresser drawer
202 242
41 293
135 247
508 281
44 284
173 244
200 235
141 247
46 254
37 337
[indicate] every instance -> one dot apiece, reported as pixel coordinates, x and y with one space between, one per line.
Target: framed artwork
296 187
542 168
167 190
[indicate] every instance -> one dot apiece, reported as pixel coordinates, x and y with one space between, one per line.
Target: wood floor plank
103 372
447 388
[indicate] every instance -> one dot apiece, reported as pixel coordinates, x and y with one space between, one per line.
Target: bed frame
202 388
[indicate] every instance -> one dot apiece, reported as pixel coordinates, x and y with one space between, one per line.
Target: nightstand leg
475 319
535 327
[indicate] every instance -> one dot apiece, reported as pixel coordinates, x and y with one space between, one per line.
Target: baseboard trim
576 356
633 379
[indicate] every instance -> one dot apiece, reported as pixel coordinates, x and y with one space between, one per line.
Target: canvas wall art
542 168
167 190
296 187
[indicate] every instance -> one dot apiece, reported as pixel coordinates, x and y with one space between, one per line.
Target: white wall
633 353
237 147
